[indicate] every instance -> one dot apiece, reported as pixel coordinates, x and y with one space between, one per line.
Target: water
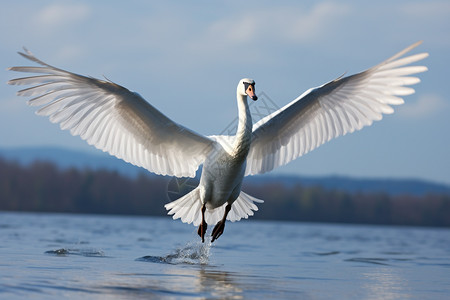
50 256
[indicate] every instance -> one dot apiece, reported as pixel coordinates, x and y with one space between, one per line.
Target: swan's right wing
333 109
113 119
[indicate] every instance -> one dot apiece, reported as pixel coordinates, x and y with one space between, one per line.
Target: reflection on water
198 281
208 282
386 283
220 284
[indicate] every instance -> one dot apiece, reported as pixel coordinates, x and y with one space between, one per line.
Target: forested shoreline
43 187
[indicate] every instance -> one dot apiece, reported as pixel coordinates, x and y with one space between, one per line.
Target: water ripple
82 252
375 261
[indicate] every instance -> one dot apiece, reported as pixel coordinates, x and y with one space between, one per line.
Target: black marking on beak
247 85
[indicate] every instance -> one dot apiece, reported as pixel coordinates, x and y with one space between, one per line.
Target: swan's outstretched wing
333 109
113 119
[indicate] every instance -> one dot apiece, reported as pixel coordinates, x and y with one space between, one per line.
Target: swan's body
122 123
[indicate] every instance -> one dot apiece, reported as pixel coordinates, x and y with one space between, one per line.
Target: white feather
113 119
333 109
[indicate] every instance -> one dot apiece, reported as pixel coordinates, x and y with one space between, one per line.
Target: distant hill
65 158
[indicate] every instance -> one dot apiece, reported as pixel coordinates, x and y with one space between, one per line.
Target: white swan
122 123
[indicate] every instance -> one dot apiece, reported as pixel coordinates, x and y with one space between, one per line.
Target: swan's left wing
113 119
333 109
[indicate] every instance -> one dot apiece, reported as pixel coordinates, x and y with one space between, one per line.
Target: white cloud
59 15
426 106
277 24
314 24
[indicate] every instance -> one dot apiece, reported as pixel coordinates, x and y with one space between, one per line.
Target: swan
120 122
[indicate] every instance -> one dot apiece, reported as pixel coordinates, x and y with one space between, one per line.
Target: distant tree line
43 187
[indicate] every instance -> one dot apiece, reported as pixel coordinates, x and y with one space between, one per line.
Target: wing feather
336 108
113 119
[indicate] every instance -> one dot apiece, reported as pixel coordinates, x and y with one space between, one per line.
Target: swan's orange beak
251 92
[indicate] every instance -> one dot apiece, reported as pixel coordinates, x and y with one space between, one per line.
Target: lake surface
51 256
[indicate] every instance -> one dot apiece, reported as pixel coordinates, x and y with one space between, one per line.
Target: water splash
193 253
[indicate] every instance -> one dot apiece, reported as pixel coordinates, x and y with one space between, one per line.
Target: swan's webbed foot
203 226
218 230
220 226
202 230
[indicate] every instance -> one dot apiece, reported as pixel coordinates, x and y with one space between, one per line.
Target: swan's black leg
203 226
218 229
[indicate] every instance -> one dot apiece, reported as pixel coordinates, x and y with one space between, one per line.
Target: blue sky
186 58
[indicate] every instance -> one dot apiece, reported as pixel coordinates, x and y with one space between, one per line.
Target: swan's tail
188 208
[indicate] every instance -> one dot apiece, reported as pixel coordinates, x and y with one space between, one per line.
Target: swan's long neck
244 131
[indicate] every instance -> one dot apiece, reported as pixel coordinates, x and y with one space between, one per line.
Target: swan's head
246 87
